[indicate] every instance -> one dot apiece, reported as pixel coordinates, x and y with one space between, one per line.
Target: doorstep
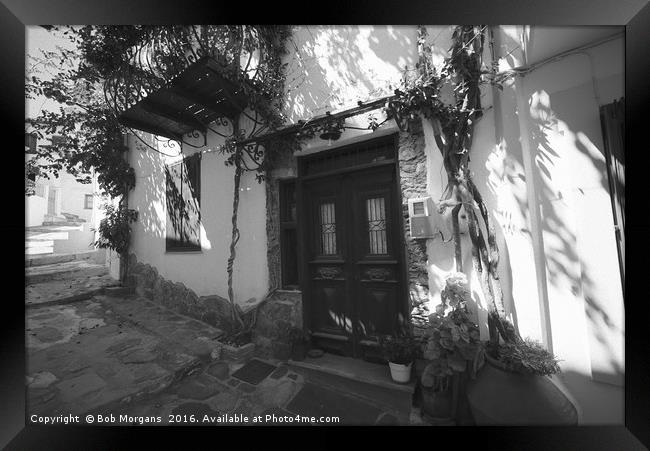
368 381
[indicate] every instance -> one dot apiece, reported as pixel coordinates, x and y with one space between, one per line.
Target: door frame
303 220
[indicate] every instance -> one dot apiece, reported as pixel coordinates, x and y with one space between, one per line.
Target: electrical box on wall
424 219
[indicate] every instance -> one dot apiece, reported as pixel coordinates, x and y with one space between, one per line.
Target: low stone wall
147 283
282 309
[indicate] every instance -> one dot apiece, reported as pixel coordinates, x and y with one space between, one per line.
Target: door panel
374 252
352 264
330 313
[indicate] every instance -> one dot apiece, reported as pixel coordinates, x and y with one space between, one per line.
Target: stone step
39 250
47 236
38 243
367 381
36 230
97 256
67 270
62 223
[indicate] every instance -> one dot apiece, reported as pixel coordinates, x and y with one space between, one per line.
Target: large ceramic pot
444 403
501 397
438 401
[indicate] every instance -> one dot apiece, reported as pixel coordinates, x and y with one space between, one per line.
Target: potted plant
237 345
300 342
400 351
452 350
514 386
520 370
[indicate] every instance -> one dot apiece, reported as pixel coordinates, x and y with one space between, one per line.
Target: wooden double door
353 260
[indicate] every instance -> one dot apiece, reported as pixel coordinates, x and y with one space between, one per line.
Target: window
88 202
288 235
183 199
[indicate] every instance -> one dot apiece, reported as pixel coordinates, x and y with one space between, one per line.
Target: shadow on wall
568 154
169 195
182 192
556 127
336 66
556 124
561 122
150 170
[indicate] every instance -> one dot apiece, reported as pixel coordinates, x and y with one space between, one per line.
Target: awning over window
194 98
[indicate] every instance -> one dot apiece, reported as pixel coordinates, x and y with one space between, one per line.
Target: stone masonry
413 182
147 283
282 308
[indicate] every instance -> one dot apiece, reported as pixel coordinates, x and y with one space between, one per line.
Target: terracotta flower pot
501 397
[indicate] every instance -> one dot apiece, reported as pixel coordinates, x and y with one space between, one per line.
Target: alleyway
95 348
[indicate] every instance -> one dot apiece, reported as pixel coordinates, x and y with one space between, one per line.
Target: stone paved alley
112 352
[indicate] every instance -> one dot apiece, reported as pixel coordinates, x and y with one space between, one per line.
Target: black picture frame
634 15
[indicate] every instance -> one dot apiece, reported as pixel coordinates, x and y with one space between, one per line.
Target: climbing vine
450 100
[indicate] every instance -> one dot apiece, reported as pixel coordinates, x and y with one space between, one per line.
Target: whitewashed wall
332 67
559 266
540 146
579 252
35 209
204 271
537 158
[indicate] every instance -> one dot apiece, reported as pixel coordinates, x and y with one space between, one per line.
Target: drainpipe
532 192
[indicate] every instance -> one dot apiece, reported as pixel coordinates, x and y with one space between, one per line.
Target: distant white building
59 199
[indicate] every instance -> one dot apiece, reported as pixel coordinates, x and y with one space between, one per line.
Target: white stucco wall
585 297
204 271
571 243
35 208
558 267
70 199
73 195
332 67
537 158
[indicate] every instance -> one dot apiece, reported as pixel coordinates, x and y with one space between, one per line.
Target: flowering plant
452 338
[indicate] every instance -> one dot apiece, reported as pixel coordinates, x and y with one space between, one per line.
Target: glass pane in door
376 214
327 229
